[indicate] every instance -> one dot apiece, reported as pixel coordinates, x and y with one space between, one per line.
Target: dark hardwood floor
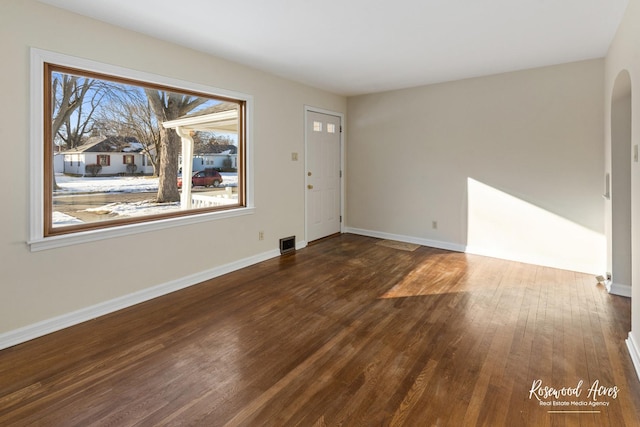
344 332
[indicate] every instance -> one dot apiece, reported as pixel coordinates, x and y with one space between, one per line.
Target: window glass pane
96 120
317 126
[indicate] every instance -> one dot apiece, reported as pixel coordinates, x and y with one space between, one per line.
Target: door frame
307 110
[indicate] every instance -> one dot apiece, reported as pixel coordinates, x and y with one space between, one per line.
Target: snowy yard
127 184
100 185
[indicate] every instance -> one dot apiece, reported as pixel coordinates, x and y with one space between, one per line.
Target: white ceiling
362 46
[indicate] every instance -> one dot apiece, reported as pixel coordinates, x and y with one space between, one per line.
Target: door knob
310 187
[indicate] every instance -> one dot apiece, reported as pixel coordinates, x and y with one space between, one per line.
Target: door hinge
340 128
340 218
340 174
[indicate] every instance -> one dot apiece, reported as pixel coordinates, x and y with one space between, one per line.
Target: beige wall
624 55
508 165
41 285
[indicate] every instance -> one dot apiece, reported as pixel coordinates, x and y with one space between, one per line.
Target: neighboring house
223 120
223 157
116 154
58 163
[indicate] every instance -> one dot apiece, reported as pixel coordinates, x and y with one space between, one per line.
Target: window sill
53 242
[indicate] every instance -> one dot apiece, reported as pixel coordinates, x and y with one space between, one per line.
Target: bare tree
169 106
207 141
146 129
67 95
133 117
80 124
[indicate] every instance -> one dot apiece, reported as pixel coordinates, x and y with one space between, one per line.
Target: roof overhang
223 121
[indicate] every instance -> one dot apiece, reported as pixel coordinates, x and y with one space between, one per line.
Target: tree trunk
168 175
169 106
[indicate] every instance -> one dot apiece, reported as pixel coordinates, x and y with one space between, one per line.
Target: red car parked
206 178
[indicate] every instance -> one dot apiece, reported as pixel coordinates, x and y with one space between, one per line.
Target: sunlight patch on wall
503 226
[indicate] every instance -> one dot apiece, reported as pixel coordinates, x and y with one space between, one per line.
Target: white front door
323 175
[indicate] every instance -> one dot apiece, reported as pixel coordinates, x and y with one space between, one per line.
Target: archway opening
622 157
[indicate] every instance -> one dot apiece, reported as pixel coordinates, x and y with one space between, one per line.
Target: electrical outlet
434 224
294 157
260 235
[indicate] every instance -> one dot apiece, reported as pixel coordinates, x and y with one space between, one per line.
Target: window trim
37 240
103 159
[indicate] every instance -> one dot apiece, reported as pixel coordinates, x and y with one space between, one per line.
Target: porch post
187 167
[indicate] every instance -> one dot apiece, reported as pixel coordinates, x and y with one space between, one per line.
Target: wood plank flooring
344 332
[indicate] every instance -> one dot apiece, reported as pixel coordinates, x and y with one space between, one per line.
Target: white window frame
37 241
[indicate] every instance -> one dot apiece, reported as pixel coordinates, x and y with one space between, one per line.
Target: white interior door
323 175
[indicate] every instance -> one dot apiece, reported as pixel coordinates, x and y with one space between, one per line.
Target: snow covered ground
60 218
70 185
126 184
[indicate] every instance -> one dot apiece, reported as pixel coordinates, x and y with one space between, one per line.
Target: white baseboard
618 289
588 267
407 239
457 247
18 336
634 353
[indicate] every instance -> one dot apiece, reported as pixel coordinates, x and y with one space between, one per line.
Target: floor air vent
287 244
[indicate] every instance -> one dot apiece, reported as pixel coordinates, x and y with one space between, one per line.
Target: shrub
132 168
92 169
226 162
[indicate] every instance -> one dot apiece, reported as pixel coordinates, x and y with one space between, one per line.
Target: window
94 111
104 160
